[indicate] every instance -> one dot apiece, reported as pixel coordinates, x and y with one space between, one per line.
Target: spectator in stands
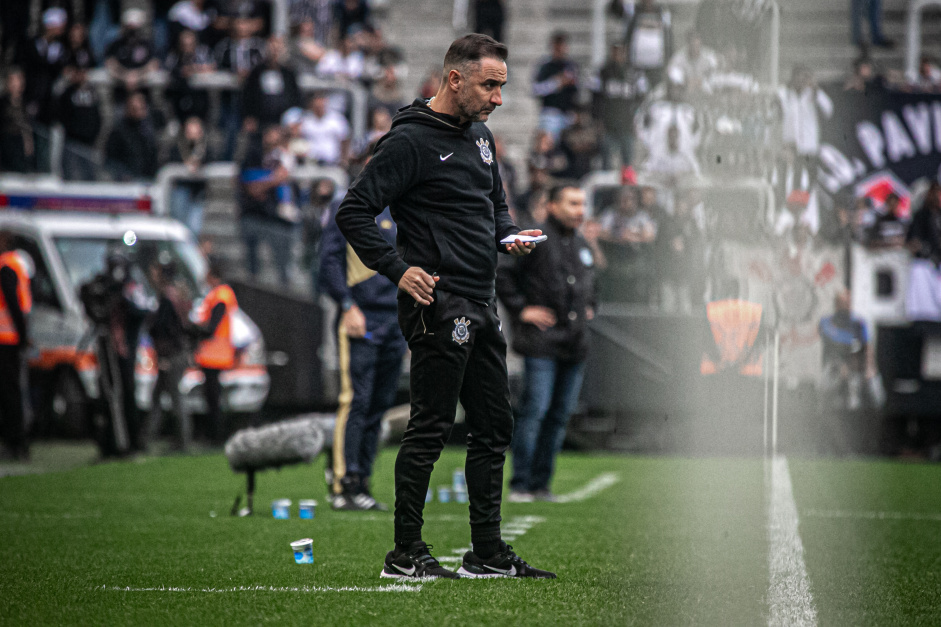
380 122
314 221
556 85
924 235
507 172
379 54
654 123
264 175
191 15
681 247
580 143
79 111
188 196
43 60
270 90
188 59
351 16
864 78
346 62
79 53
103 26
871 9
673 163
319 13
386 92
16 131
618 90
923 299
132 146
803 102
545 154
627 235
240 53
693 65
327 132
306 51
929 76
130 58
489 17
626 223
649 38
430 85
15 30
891 225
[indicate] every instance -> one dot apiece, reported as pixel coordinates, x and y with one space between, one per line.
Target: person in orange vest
735 326
15 304
216 353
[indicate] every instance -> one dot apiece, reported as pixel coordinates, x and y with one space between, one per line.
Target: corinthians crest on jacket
461 333
485 154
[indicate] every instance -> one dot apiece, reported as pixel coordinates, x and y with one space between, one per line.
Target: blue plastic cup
281 508
444 494
308 509
303 551
460 496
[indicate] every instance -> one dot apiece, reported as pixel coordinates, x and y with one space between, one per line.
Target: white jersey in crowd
654 122
325 136
684 70
801 124
668 163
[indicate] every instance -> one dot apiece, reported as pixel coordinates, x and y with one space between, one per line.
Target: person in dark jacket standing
132 146
370 347
436 172
552 298
80 114
270 90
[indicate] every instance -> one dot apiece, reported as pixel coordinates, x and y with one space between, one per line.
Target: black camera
102 294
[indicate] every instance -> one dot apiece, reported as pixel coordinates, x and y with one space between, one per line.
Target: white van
69 248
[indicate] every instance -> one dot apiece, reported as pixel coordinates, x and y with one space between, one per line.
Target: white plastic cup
444 494
428 496
458 481
460 496
308 508
281 509
303 551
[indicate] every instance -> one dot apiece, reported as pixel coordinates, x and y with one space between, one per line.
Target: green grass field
672 542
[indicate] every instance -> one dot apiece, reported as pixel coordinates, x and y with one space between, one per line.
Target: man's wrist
346 304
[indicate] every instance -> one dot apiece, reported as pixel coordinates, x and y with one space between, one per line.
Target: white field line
841 513
399 587
602 482
790 601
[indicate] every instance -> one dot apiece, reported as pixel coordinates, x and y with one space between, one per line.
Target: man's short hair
559 37
470 49
555 192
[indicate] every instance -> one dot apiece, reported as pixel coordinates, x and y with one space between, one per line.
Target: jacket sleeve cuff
395 271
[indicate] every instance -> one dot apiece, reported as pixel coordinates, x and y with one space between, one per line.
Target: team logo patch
485 154
461 333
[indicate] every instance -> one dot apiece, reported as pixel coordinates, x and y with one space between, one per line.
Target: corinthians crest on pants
485 154
461 333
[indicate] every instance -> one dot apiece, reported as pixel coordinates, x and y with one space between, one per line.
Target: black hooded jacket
441 182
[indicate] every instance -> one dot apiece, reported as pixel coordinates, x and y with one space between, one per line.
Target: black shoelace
425 558
513 557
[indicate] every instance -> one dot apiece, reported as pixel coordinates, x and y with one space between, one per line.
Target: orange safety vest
217 353
8 333
735 324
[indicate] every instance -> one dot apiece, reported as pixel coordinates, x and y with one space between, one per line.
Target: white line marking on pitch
842 513
399 587
789 598
602 482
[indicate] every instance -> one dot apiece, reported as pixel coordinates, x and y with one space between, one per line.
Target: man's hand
518 248
354 322
542 317
419 284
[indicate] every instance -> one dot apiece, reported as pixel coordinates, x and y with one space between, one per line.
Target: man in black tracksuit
436 172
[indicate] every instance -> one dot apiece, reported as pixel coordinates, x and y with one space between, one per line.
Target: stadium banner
879 142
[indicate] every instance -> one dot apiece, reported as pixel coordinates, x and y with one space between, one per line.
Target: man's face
569 209
136 107
275 50
627 202
480 92
318 105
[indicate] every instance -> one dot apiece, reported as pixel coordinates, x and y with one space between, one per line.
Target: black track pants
458 353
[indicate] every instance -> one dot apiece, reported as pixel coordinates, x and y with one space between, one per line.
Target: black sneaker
504 563
416 563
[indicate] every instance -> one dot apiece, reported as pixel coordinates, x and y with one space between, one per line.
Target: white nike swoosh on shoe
444 158
509 573
408 572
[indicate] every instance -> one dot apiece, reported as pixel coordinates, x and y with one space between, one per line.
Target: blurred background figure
131 152
188 196
215 353
556 85
17 150
170 333
550 294
16 302
489 18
